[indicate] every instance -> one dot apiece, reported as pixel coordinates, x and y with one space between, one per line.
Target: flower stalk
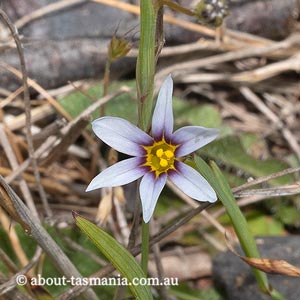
145 71
145 68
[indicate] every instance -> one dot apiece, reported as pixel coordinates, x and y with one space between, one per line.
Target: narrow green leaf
122 260
216 179
243 154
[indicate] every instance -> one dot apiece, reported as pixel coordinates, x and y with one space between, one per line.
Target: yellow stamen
160 156
169 154
159 152
163 162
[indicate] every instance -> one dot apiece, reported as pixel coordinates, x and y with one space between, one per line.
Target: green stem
145 247
145 68
145 71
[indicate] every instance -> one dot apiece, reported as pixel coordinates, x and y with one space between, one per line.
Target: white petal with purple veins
121 135
192 183
191 138
118 174
162 120
150 189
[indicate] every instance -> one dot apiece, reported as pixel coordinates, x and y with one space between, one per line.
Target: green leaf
243 154
122 260
216 179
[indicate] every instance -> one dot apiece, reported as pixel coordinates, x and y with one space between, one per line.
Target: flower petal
121 135
150 189
118 174
162 120
192 183
191 138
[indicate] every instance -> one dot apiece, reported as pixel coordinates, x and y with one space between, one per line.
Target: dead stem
158 262
27 104
14 239
229 56
12 282
261 106
195 204
50 142
43 239
14 164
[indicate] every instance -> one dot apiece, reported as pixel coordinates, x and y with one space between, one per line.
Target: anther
163 162
159 152
169 154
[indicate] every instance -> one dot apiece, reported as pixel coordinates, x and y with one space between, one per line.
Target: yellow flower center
160 157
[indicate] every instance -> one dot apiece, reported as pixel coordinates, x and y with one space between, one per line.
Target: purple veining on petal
121 173
191 138
150 189
121 135
162 120
192 183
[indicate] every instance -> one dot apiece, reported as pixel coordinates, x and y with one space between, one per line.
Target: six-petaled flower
156 157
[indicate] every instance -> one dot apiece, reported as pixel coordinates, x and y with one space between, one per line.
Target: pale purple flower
156 157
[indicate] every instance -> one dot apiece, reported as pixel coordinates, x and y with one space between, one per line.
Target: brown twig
261 106
49 184
27 104
14 164
257 195
286 190
253 76
136 10
11 266
47 96
265 178
265 72
44 240
158 262
12 282
11 97
39 89
229 56
194 204
14 239
48 144
38 113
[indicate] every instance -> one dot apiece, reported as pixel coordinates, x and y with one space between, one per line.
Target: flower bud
211 12
118 48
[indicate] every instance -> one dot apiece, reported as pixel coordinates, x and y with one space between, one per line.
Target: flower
156 157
